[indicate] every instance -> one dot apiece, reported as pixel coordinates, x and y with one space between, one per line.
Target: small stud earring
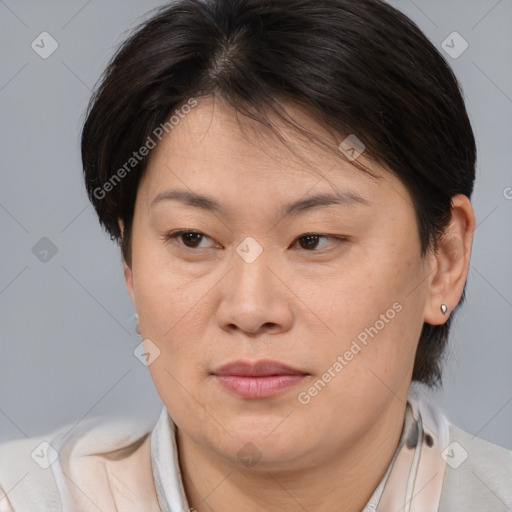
136 318
444 309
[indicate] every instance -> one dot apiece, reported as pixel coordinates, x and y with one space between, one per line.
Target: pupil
311 241
188 237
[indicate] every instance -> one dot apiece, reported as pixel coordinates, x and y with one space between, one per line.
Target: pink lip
261 379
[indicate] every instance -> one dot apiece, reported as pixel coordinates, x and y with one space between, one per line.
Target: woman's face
344 309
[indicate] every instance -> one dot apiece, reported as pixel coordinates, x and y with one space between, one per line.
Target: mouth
260 379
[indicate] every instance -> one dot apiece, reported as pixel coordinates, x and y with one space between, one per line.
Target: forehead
214 147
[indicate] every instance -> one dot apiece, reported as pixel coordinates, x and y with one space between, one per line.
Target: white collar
166 469
411 470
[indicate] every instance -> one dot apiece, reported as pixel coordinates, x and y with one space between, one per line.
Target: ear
449 263
127 271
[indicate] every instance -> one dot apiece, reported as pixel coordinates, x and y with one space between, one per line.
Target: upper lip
262 368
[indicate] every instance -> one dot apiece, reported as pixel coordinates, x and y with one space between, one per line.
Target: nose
255 298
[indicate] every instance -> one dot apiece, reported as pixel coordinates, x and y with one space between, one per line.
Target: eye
189 239
193 239
310 241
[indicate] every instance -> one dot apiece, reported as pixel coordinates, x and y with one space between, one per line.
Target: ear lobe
127 271
450 262
128 279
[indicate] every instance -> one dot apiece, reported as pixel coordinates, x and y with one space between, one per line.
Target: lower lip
258 387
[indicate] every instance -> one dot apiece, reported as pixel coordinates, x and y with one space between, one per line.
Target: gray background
67 324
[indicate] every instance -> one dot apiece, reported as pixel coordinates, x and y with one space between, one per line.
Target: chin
256 449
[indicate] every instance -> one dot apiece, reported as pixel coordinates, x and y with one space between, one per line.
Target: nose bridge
252 275
253 296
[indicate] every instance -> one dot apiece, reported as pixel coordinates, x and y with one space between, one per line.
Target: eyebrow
210 204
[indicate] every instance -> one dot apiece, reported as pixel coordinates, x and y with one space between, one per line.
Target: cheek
374 314
173 310
168 298
179 369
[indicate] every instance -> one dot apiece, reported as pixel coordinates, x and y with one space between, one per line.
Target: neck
345 481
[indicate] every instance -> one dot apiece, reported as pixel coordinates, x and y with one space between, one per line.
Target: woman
289 183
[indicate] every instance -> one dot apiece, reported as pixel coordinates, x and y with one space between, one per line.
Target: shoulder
44 473
478 474
23 480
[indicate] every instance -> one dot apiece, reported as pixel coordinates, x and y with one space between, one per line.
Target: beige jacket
127 466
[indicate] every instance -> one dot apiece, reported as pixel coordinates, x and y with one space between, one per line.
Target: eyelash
173 235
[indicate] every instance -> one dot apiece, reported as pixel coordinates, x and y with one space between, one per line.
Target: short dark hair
358 66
